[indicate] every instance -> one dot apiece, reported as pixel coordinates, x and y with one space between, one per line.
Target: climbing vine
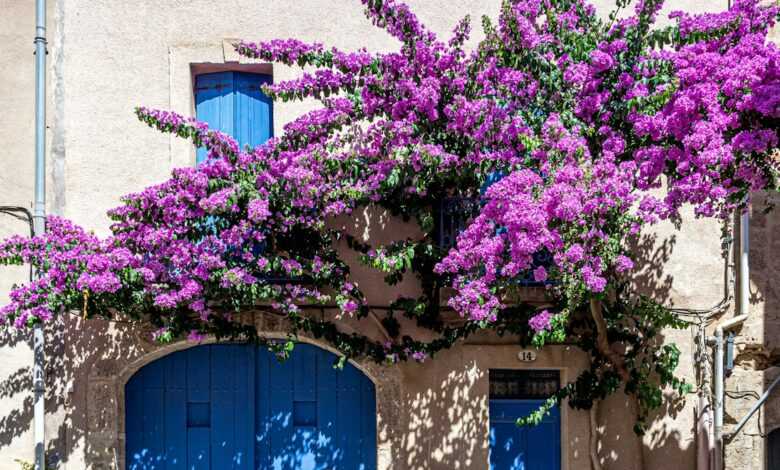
560 135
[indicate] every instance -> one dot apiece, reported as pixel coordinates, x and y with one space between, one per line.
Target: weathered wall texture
108 56
17 29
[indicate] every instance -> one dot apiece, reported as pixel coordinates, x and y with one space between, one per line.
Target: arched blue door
236 407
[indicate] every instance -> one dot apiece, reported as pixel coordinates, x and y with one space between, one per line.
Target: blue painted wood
214 104
336 409
198 395
175 411
283 452
327 409
245 408
237 407
222 405
134 423
523 448
349 414
492 178
367 424
233 103
264 424
253 109
154 420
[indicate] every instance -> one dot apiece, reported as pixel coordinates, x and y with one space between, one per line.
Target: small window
523 384
234 103
453 215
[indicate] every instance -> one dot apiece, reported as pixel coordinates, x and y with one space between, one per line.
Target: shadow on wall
671 429
445 425
73 362
651 256
16 390
16 400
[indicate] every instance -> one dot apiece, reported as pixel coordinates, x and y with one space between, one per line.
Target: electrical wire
23 214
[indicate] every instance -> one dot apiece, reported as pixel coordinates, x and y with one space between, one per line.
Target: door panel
311 418
523 448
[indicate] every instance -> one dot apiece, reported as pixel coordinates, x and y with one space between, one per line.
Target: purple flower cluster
540 321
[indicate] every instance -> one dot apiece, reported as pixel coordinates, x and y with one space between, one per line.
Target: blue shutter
253 109
175 415
492 178
214 98
233 103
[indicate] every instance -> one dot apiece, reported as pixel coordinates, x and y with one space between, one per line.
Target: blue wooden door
523 448
237 407
233 103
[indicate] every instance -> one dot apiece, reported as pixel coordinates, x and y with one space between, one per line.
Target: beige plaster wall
108 57
17 30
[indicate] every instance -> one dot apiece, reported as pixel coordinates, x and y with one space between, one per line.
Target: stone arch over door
107 402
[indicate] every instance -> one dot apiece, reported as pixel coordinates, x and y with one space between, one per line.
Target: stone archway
106 399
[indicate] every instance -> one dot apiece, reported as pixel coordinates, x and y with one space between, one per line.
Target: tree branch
602 341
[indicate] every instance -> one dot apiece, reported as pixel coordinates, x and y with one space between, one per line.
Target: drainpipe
744 267
39 219
719 378
744 307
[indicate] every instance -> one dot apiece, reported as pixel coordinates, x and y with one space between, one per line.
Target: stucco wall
108 57
17 30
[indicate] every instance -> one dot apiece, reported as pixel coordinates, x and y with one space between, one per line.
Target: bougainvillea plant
572 132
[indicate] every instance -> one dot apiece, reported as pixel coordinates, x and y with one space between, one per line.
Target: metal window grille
523 384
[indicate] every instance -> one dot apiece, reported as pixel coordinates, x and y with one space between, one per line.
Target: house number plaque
527 355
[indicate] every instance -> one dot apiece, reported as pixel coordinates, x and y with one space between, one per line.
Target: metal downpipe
39 219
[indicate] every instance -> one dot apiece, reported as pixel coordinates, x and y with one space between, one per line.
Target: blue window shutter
492 178
253 109
233 103
214 97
